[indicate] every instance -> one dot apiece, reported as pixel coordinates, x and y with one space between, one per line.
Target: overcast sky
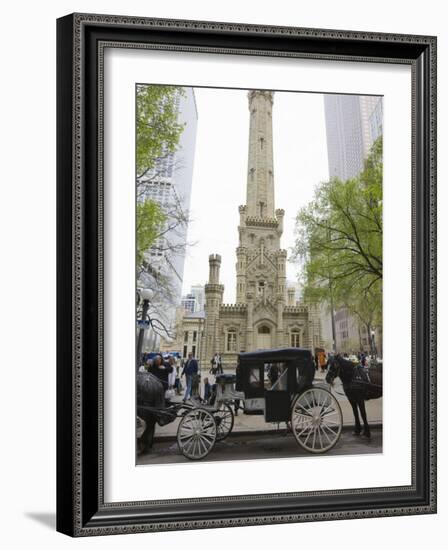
220 168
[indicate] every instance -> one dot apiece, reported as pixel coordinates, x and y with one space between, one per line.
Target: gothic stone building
265 314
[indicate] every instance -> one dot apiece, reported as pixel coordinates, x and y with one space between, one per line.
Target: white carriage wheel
224 421
196 435
316 420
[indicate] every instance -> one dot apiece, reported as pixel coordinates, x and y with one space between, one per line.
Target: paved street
267 445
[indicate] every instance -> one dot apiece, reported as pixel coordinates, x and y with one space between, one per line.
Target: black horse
150 395
360 384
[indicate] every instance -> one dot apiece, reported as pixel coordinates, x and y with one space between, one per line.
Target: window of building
184 355
295 339
264 330
186 336
231 340
195 335
193 351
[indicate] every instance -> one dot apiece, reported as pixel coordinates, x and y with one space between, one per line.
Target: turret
214 261
280 214
213 301
281 275
291 296
241 263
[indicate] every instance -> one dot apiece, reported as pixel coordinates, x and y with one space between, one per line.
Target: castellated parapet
261 222
296 309
213 287
233 308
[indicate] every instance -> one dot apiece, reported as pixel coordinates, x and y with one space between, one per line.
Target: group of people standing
170 373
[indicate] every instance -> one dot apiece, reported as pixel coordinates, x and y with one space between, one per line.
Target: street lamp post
330 285
145 294
372 334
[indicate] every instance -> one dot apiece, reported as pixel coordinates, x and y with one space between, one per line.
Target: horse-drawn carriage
275 383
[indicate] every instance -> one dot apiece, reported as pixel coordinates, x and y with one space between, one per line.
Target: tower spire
260 176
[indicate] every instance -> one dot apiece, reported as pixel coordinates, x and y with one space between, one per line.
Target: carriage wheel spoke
320 437
307 427
308 436
329 423
307 416
328 428
330 412
202 445
188 445
326 435
303 409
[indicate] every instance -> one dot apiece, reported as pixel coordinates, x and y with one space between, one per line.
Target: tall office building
353 122
169 184
189 303
194 300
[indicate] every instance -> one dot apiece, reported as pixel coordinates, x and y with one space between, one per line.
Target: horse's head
334 369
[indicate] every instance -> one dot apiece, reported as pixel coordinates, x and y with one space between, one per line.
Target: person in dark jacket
160 369
190 370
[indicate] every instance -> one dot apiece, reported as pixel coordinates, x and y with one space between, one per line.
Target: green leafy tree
150 223
158 131
339 242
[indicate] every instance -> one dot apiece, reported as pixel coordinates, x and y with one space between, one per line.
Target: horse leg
148 435
354 405
362 408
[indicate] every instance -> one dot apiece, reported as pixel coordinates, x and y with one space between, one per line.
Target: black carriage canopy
252 365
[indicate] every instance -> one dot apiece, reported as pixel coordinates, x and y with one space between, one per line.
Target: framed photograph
239 345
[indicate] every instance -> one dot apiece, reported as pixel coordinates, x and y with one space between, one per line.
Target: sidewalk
253 424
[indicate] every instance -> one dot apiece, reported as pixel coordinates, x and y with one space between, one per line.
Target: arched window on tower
231 340
295 338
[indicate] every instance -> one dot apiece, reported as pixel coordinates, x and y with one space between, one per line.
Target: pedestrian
148 363
322 359
216 363
161 370
190 370
177 385
172 374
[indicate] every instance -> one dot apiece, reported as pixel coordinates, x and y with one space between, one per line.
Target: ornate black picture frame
81 509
